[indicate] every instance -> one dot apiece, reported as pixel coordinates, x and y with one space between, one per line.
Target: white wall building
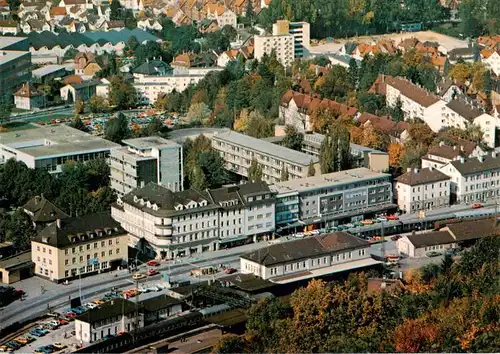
282 45
474 179
417 246
438 156
311 257
493 62
422 189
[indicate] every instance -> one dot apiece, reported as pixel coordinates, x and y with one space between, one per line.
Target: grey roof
166 200
17 261
465 110
147 143
422 176
47 69
43 210
80 229
431 239
239 193
121 35
458 53
261 146
315 139
477 164
305 248
159 303
474 229
151 67
346 59
115 307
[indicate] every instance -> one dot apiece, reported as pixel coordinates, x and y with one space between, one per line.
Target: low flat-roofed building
49 72
113 317
307 258
417 246
16 268
325 199
50 147
143 160
238 151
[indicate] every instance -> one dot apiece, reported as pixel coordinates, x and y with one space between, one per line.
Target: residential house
474 179
56 14
42 212
160 308
187 60
493 61
116 25
208 26
439 156
149 24
447 90
77 246
223 15
9 27
27 97
82 91
35 26
152 68
465 54
418 245
86 65
134 5
226 57
397 131
311 257
422 189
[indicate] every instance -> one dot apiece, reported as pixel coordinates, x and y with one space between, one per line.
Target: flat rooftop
46 70
10 55
149 142
131 156
54 141
262 146
329 179
8 41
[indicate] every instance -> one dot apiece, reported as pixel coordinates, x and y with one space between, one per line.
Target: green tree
79 107
117 129
397 112
198 181
198 113
5 109
230 344
311 170
229 32
18 229
97 104
14 5
116 10
122 93
284 174
212 165
353 73
255 171
132 43
259 126
293 139
335 150
77 123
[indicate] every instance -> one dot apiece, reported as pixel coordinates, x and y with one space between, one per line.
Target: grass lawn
19 110
49 117
13 126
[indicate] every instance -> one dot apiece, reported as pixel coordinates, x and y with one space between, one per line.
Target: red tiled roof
27 91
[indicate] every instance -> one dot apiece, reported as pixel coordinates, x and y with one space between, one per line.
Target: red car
62 322
477 205
230 270
153 263
392 217
153 272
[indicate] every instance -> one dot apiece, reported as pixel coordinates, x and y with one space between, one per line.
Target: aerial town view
249 176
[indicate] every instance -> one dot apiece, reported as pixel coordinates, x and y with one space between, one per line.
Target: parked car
477 205
59 346
381 219
230 270
451 251
5 349
392 217
299 234
90 305
152 272
109 336
62 321
153 263
396 237
21 340
433 254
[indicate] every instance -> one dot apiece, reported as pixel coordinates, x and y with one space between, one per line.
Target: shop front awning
233 239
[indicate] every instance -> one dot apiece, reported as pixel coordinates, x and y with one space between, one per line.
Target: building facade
238 151
474 179
283 45
28 98
439 156
168 224
15 64
422 189
79 246
144 160
300 32
307 258
347 195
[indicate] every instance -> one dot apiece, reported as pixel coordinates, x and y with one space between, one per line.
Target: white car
382 219
90 305
299 234
315 232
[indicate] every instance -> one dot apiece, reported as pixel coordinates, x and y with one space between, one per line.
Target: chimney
416 170
58 223
441 143
37 199
481 158
461 148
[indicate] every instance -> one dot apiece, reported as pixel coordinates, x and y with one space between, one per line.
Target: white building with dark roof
307 258
440 155
474 179
422 189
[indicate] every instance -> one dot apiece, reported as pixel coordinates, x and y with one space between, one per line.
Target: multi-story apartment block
474 179
307 258
79 246
15 64
301 35
50 147
239 150
347 195
144 160
422 189
438 156
177 224
362 156
168 224
246 212
282 45
287 208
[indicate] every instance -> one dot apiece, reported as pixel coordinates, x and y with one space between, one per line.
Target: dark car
396 237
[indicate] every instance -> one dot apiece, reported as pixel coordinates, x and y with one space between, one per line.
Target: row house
296 109
442 154
474 179
9 27
422 189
